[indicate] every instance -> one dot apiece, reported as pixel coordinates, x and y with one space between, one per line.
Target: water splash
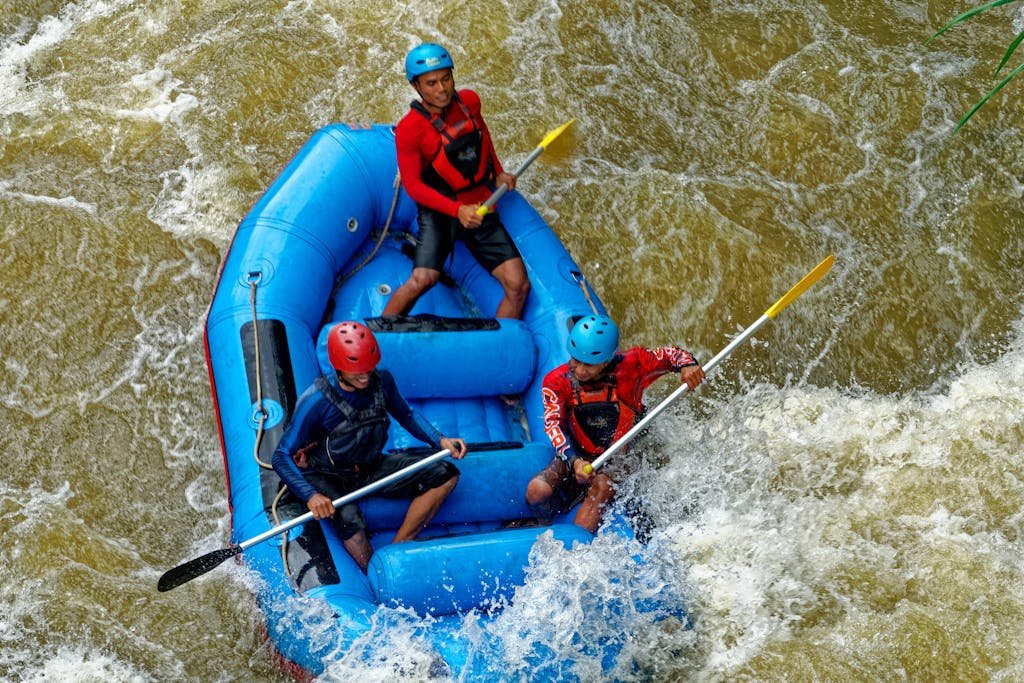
810 510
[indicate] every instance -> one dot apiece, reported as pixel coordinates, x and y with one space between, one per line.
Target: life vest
598 416
459 163
359 438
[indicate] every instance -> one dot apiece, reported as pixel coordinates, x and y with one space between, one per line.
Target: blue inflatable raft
329 241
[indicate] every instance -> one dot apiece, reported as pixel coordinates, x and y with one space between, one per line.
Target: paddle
503 188
776 308
184 573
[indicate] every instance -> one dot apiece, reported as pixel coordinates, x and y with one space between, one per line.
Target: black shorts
348 519
567 491
490 244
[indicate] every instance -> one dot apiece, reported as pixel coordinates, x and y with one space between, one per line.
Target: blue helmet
425 58
593 340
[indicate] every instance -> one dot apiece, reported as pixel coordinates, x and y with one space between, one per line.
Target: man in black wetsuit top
334 441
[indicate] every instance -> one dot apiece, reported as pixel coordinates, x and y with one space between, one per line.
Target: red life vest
459 163
598 416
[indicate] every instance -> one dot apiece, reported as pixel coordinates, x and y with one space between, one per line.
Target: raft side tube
295 216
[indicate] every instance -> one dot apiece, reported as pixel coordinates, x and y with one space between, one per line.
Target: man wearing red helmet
448 167
334 442
589 403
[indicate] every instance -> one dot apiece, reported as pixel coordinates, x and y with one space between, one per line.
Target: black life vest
357 439
598 416
459 163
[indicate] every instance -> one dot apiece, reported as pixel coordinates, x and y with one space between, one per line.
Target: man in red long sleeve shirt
448 165
589 403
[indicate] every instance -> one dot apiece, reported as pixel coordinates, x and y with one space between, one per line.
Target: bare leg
599 495
422 509
358 546
538 497
406 296
512 276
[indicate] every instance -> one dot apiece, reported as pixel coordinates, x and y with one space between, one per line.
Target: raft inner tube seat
455 574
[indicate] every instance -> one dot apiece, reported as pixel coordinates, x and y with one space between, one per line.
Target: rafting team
335 439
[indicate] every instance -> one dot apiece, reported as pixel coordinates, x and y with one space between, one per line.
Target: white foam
17 95
781 482
83 665
164 99
576 598
59 202
392 631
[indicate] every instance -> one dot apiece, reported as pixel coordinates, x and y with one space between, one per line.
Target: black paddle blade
184 573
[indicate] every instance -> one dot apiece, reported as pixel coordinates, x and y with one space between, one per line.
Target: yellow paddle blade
549 138
801 287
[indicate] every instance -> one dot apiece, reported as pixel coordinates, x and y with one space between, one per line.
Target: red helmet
351 347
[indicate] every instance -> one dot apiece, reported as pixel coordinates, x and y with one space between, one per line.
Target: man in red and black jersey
589 403
448 166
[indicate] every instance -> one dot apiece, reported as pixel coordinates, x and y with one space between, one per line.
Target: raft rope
397 184
582 280
284 536
254 280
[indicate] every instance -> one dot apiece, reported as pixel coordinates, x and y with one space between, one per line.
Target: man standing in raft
589 403
448 166
334 441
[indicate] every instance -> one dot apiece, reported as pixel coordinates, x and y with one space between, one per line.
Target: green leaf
987 97
967 15
1009 52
